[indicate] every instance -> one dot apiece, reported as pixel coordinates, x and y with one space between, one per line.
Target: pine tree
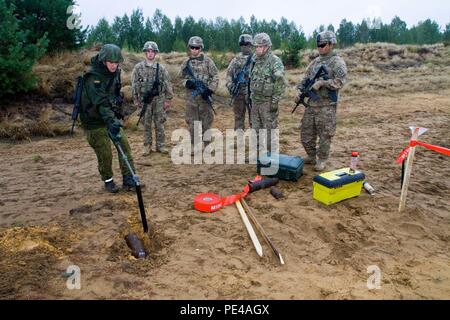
49 17
17 54
102 33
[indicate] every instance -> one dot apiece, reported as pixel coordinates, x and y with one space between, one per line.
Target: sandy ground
54 213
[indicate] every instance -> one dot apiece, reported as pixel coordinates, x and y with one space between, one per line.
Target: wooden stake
269 242
250 230
409 166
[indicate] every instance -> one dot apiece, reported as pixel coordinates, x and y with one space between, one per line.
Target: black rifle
117 99
150 95
307 91
200 87
243 78
77 101
136 181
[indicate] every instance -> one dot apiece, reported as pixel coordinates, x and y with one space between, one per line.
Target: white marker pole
250 230
416 132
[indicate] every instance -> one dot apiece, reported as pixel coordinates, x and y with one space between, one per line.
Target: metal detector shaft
138 185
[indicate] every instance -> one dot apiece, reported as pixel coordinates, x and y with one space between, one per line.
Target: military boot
129 184
310 159
321 164
111 187
147 151
162 150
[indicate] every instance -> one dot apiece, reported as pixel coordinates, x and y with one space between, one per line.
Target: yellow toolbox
335 186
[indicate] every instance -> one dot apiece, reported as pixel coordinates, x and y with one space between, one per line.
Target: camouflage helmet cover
262 39
196 42
245 39
327 36
150 45
111 53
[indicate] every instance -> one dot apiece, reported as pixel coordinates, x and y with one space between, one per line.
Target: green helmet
262 39
111 53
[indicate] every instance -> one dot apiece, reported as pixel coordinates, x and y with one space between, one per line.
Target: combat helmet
196 42
245 39
262 39
150 45
327 36
111 53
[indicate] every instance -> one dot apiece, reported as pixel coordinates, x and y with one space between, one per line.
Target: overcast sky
308 14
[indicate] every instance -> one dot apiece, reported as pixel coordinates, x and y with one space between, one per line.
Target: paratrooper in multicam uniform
143 78
267 84
241 63
205 71
319 120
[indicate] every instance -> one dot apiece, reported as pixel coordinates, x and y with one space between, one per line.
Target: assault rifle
308 92
200 87
77 102
150 95
242 78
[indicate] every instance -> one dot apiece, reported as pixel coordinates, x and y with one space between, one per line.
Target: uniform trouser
318 122
99 140
198 109
240 109
155 114
264 115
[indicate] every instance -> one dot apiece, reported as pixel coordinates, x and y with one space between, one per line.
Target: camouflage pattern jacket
143 77
204 69
337 71
268 82
236 66
99 96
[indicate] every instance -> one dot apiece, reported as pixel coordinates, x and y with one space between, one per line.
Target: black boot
129 184
111 187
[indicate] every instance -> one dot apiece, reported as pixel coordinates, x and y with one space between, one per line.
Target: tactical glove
190 84
207 93
114 131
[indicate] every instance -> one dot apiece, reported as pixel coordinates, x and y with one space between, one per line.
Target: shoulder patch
341 71
97 83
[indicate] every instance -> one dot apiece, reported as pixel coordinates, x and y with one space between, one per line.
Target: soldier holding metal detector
324 77
101 116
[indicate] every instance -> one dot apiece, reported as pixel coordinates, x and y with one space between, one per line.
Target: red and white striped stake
416 133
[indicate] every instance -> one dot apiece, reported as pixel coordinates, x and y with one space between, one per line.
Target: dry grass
20 129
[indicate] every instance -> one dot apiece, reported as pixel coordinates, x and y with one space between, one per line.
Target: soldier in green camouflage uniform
238 63
101 114
320 119
197 108
267 86
142 79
